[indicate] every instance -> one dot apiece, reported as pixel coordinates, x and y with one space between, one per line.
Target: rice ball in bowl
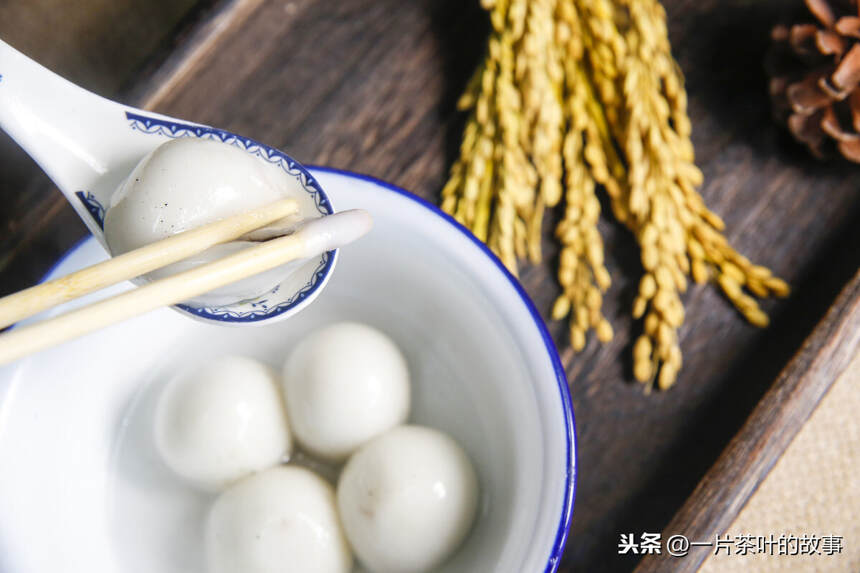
222 421
343 385
283 519
407 499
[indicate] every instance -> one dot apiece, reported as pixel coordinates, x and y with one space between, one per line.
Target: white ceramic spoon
88 145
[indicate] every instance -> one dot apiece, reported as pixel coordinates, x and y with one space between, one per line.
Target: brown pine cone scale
815 78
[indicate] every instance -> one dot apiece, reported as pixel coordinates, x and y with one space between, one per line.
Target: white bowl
82 490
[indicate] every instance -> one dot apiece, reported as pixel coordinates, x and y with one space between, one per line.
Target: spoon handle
54 121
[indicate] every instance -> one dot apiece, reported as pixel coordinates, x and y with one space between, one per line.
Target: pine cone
815 72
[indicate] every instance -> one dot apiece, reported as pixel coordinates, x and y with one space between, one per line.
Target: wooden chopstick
33 300
312 238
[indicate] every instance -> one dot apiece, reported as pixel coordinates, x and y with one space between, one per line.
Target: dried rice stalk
641 89
581 272
590 86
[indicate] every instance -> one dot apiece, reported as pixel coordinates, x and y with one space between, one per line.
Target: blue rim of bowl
561 375
261 311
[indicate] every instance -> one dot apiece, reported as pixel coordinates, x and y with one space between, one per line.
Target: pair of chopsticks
168 291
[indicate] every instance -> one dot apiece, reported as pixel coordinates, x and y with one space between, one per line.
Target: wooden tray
371 86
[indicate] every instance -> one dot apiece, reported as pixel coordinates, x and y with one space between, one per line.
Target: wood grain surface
371 86
94 43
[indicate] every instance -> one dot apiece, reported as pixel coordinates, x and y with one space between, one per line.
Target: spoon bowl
88 145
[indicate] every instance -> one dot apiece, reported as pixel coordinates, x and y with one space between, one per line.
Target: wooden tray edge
773 424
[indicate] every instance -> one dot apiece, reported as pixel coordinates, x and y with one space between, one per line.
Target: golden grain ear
579 95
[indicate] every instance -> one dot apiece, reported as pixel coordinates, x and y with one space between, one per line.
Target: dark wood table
371 86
